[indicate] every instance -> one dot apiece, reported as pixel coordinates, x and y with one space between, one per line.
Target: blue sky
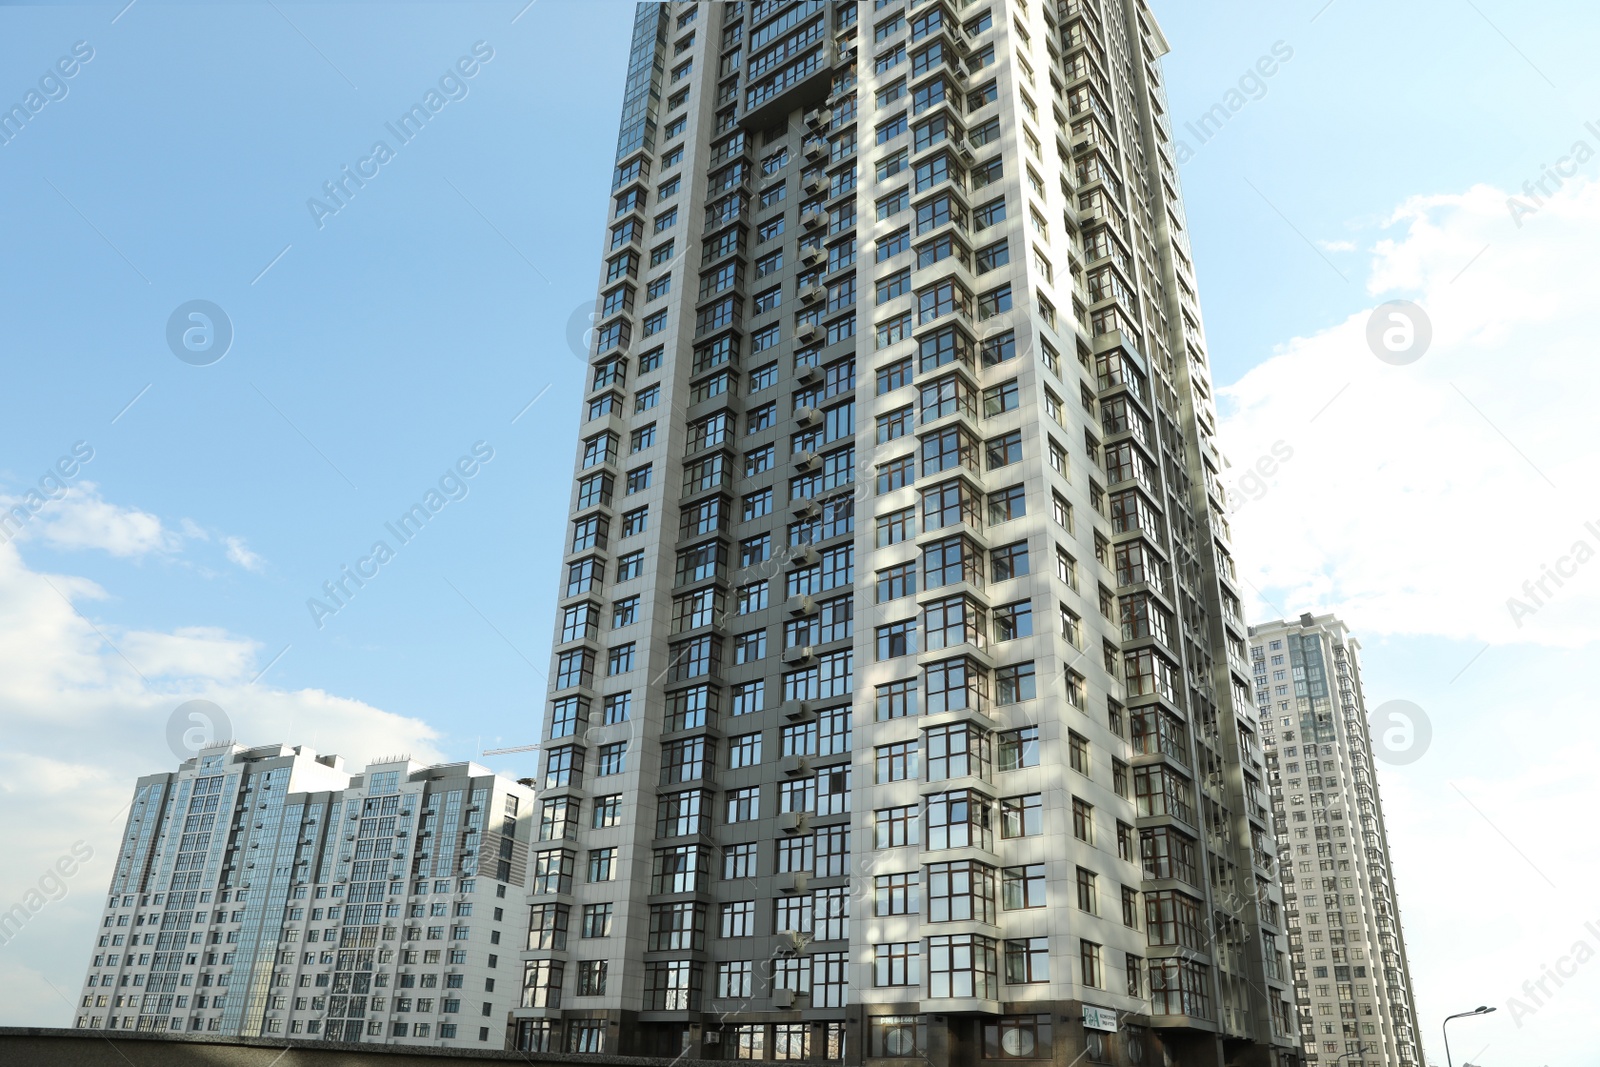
371 352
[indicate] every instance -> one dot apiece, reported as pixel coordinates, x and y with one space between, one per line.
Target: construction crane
507 751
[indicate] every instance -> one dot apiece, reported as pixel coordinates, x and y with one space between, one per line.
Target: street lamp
1445 1028
1360 1050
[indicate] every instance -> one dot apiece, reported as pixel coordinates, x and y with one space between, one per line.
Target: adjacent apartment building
269 892
1351 978
900 698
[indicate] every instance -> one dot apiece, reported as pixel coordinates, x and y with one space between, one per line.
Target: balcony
725 215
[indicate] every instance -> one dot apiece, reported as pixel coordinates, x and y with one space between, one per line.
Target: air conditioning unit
819 116
814 257
783 998
792 941
794 883
805 556
811 294
800 604
964 150
794 822
813 218
807 461
796 710
962 45
809 509
794 766
808 416
815 146
808 374
808 333
817 185
798 654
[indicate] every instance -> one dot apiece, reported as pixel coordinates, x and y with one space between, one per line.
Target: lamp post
1444 1028
1360 1050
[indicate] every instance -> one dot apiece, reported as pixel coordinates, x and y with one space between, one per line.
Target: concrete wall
44 1047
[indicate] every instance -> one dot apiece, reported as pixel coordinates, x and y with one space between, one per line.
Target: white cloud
240 553
1413 502
1476 849
80 720
189 651
1419 498
80 518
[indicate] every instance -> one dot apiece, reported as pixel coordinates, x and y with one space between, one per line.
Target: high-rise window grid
952 361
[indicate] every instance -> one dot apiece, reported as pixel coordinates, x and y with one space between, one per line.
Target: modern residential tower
267 892
1351 977
900 704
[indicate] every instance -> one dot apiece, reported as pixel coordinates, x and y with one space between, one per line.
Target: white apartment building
1352 981
268 891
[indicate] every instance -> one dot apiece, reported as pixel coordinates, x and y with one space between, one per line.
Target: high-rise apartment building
267 892
1351 977
900 701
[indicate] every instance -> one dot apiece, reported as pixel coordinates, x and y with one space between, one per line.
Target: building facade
900 701
1352 981
268 892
